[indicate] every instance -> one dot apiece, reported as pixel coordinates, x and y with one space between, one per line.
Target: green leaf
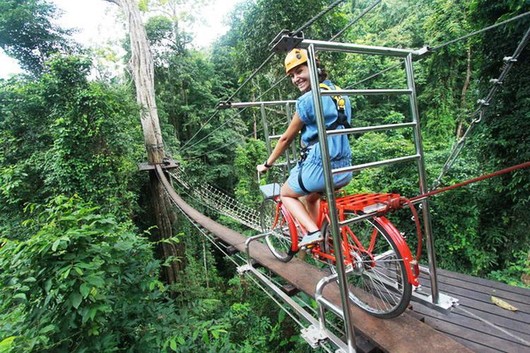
47 329
56 245
84 289
47 285
78 270
75 299
5 344
173 345
20 296
96 281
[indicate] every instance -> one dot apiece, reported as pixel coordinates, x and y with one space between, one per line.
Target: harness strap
300 180
340 104
342 118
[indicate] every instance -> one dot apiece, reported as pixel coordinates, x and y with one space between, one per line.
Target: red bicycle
380 268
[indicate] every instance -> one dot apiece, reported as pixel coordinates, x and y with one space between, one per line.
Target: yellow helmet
294 58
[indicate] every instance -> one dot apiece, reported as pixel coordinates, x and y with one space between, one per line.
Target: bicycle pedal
308 247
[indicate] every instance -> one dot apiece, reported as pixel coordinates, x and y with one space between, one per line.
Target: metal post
330 193
265 128
423 180
290 164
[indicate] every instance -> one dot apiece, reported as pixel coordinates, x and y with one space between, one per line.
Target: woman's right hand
261 168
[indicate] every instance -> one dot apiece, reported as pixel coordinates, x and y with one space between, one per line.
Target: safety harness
342 120
340 104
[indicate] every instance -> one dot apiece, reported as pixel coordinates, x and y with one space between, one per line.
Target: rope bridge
218 200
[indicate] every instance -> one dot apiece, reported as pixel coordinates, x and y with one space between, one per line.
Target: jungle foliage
77 265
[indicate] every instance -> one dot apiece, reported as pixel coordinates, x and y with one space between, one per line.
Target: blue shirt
339 147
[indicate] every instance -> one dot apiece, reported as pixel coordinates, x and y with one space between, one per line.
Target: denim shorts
312 177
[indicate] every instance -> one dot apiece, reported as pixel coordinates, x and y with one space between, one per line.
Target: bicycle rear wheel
375 272
279 238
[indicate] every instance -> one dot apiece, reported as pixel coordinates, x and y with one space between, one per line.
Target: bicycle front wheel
375 272
274 223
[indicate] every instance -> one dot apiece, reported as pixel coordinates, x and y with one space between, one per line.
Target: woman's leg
297 208
313 205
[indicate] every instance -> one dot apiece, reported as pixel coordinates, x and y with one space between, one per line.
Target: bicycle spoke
377 278
274 223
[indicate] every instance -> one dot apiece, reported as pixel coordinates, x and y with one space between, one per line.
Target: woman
306 179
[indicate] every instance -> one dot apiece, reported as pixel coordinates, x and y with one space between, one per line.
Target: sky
99 23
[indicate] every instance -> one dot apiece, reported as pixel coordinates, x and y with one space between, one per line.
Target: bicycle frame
351 203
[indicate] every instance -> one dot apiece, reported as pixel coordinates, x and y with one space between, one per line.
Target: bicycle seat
270 191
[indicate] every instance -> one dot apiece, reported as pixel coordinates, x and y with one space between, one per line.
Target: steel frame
436 299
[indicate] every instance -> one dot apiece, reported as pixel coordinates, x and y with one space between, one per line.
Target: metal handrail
358 167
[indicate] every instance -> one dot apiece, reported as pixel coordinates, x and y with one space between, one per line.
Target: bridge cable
216 244
432 49
305 25
368 9
254 280
219 201
231 143
199 130
481 30
478 115
317 16
284 77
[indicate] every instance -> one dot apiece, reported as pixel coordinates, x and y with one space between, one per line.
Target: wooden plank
484 291
473 330
476 347
471 299
518 328
483 281
479 298
495 328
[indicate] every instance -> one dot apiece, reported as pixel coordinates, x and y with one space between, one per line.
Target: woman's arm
283 143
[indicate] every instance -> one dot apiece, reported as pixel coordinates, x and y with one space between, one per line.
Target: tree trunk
142 69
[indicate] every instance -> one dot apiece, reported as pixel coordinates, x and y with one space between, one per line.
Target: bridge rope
237 259
479 113
218 200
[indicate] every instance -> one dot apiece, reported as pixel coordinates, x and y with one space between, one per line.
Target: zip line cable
371 7
233 117
432 49
320 14
368 9
305 25
251 76
483 105
481 30
210 119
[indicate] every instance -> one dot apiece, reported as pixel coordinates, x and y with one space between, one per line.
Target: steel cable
284 77
255 72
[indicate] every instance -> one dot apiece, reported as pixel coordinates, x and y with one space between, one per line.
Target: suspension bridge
476 324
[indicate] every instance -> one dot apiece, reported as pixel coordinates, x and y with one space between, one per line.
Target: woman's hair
321 70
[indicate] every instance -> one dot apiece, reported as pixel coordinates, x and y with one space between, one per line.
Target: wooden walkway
477 322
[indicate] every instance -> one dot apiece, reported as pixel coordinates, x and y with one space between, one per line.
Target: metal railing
312 46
